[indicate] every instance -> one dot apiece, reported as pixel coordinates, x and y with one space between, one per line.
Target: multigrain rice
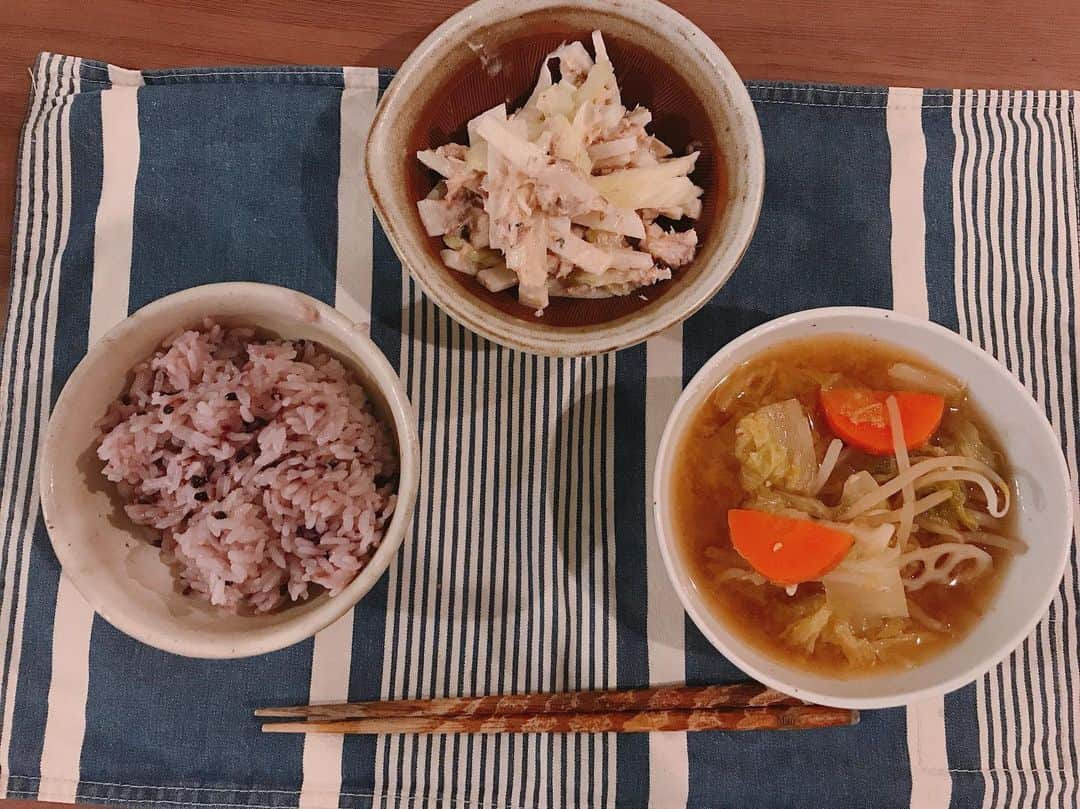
261 463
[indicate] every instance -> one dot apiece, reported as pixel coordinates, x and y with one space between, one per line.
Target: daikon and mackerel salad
573 177
566 196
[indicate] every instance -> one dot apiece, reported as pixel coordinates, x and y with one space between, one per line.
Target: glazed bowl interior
110 560
1043 498
483 59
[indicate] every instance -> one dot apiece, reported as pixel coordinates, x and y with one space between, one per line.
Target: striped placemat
531 563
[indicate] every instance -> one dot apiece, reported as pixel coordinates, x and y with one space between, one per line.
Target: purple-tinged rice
261 463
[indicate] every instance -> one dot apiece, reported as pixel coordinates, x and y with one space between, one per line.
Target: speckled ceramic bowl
489 53
108 558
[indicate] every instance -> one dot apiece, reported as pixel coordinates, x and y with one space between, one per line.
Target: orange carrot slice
785 550
859 417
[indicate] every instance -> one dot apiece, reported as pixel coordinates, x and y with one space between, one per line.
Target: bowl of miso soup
860 508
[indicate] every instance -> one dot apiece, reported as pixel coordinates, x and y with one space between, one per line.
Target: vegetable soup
844 505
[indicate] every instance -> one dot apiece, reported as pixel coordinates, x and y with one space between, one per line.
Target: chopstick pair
742 706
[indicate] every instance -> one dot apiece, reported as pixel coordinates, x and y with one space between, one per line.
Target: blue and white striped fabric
531 563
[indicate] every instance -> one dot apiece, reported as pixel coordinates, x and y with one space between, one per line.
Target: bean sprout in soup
844 505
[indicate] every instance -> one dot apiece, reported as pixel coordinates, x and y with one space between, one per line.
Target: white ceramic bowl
489 53
107 557
1044 498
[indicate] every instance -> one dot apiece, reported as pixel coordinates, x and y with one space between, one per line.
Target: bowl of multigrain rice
229 470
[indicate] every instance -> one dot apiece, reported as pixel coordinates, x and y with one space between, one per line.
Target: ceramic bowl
490 53
109 559
1043 503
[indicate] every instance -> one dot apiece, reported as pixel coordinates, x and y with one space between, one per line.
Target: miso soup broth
843 505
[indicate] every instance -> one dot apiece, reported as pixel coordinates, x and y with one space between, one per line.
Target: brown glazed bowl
489 53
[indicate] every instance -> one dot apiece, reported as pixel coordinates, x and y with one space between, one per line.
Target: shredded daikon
535 183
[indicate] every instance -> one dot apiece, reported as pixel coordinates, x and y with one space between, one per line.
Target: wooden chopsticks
742 706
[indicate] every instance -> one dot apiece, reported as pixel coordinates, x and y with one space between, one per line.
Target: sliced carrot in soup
785 550
859 417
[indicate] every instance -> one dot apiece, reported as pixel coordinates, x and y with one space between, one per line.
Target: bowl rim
732 649
362 351
588 340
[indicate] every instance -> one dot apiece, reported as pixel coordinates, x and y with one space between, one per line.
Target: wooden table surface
922 43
